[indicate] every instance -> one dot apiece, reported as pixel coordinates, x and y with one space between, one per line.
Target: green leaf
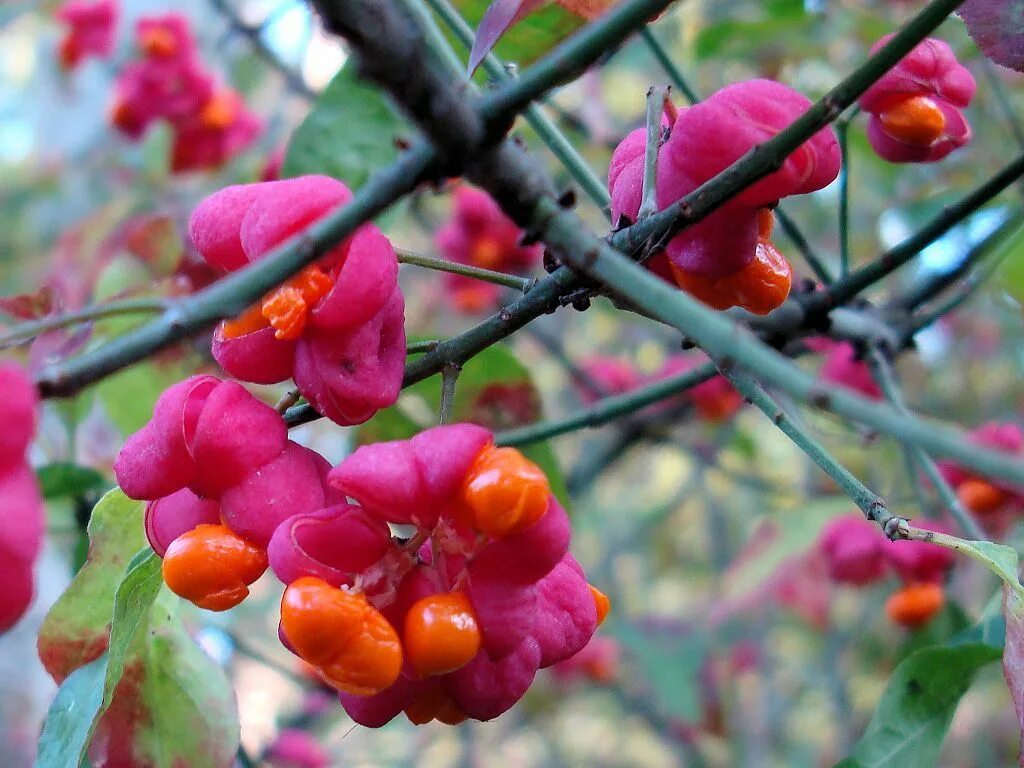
349 133
1013 653
951 622
910 723
77 708
114 639
998 558
67 727
753 39
135 595
1011 251
67 479
670 661
494 390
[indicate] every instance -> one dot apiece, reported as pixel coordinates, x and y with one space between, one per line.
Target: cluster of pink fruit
857 554
916 106
995 504
479 234
452 622
91 30
210 121
728 259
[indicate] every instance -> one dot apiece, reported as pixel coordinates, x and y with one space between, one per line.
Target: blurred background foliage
733 649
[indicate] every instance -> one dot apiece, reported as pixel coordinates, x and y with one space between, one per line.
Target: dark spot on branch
590 257
820 399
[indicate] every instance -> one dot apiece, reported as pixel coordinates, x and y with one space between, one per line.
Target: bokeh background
727 645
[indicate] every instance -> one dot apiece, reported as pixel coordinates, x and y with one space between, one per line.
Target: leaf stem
648 195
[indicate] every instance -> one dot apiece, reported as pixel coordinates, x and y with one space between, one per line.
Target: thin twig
522 284
933 285
842 129
230 296
786 223
663 58
254 34
792 231
609 408
869 502
962 293
22 332
523 191
846 288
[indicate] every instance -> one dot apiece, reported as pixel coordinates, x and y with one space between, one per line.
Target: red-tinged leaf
1013 653
171 705
500 15
54 346
995 26
588 9
80 255
76 630
501 405
154 240
28 306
